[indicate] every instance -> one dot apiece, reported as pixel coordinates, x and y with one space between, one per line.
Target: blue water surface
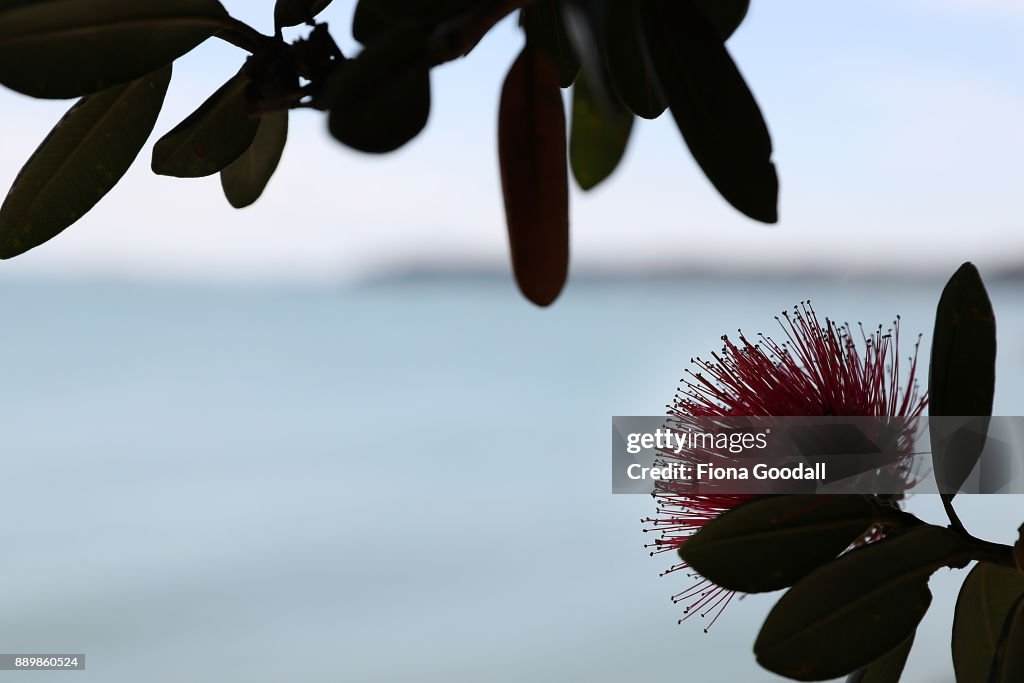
400 481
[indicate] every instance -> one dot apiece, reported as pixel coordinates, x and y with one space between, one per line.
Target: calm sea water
399 482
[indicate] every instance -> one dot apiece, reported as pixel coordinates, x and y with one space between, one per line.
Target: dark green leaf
584 23
295 12
850 612
962 375
1018 548
886 669
629 64
725 15
381 99
957 444
773 542
379 17
986 598
599 137
1008 664
544 25
245 178
211 137
81 159
712 106
67 48
534 177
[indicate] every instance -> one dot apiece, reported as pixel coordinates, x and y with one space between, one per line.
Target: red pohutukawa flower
818 370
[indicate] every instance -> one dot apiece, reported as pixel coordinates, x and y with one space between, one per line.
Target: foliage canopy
622 58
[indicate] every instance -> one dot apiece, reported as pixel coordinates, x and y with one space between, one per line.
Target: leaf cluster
623 59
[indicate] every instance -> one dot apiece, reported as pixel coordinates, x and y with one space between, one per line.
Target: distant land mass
434 272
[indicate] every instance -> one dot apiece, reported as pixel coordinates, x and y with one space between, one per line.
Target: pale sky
898 129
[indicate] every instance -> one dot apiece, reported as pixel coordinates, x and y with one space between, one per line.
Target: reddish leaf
534 175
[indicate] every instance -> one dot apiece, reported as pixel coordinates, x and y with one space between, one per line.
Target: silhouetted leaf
67 48
211 137
986 598
1018 549
81 159
629 64
543 24
773 542
378 17
295 12
1008 664
534 177
599 137
957 444
962 375
725 15
712 106
381 99
886 669
850 612
584 23
245 178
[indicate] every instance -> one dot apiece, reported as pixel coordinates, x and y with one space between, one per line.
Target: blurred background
325 439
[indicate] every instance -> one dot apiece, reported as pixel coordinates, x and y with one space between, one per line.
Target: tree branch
993 553
979 549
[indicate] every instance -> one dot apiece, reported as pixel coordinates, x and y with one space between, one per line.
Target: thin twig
240 34
954 519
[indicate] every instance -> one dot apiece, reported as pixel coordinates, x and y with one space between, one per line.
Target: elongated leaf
725 15
381 100
773 542
629 64
534 176
962 374
599 136
584 24
543 24
850 612
1018 548
712 106
986 598
295 12
68 48
211 137
82 158
1008 664
627 57
245 178
886 669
